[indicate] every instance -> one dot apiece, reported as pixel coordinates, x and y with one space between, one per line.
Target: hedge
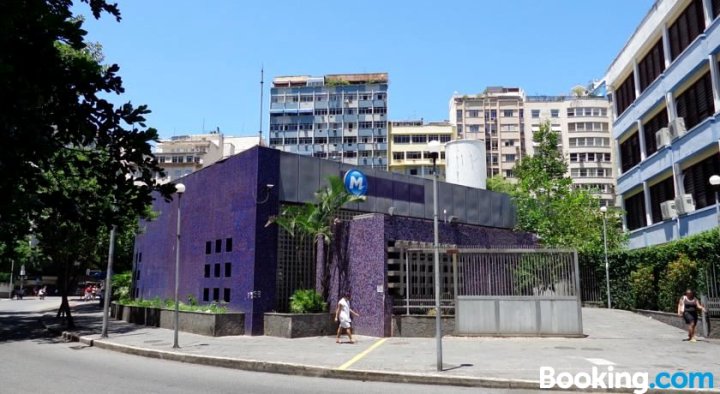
655 277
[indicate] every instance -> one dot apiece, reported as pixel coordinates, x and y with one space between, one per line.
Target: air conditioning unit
686 204
668 209
677 127
662 138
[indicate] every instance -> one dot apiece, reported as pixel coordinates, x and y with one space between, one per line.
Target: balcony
697 139
701 220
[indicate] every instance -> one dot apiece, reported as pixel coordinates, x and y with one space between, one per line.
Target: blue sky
198 63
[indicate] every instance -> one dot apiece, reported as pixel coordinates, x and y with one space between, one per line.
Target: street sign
356 182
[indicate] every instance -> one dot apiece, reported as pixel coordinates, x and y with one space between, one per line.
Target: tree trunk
64 310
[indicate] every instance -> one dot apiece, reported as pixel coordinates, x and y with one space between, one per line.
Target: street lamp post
108 283
434 149
603 209
11 284
179 189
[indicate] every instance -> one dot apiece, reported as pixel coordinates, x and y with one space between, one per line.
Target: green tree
549 206
319 221
70 160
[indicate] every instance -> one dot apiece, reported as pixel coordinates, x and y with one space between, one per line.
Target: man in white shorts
343 314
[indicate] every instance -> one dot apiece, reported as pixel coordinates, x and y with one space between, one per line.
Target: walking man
343 314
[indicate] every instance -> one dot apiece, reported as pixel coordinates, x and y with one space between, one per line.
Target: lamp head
434 146
715 180
603 209
179 188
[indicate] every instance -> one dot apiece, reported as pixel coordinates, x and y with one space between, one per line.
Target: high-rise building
341 117
583 123
665 89
495 116
184 154
407 153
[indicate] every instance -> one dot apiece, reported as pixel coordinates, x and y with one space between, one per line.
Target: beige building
584 124
182 155
407 150
495 116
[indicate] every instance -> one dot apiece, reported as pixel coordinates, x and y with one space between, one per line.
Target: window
660 193
635 211
365 125
380 110
419 139
625 94
216 294
459 115
535 113
507 113
206 295
228 270
686 27
554 113
217 270
474 128
696 103
510 158
207 270
398 155
651 127
218 245
208 247
414 155
651 65
401 139
715 8
226 295
445 138
228 244
697 181
473 114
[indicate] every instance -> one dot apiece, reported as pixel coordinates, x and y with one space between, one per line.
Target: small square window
228 245
217 270
216 294
226 295
206 294
535 113
208 247
207 270
218 246
228 270
555 113
140 257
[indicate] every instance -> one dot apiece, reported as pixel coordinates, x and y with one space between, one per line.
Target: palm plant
317 220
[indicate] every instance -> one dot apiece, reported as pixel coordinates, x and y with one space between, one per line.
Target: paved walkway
627 341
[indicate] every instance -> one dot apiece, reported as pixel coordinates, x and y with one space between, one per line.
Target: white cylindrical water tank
465 163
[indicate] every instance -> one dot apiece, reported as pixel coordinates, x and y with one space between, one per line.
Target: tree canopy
72 163
548 204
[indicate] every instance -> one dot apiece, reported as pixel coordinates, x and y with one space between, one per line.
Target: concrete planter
210 324
299 325
420 326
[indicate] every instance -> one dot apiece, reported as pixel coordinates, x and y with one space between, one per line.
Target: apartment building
407 146
495 116
666 94
341 117
182 155
584 126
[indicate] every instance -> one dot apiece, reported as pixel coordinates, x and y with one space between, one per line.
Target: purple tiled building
228 254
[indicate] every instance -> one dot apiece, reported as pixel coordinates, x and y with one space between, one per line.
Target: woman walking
688 308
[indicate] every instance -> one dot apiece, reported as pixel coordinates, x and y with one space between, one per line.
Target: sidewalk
627 341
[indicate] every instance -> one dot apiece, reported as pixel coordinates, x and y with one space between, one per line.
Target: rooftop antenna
262 82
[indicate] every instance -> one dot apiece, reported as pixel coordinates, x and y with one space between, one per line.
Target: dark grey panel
428 199
459 203
471 205
445 198
484 203
496 210
288 178
308 180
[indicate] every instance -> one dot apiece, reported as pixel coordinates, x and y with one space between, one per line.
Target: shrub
307 301
680 275
642 285
121 285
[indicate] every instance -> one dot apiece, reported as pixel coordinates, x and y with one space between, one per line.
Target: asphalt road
34 361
